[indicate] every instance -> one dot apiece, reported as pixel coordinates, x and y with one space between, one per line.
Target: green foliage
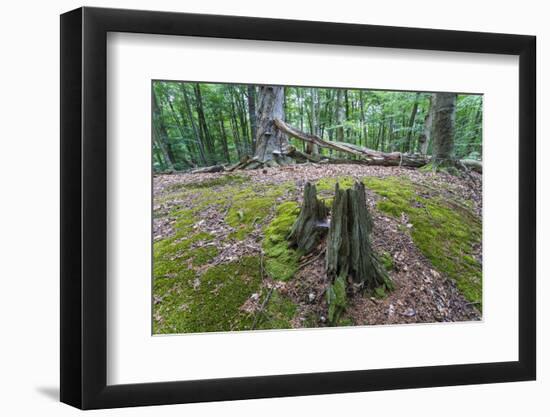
336 299
281 262
446 234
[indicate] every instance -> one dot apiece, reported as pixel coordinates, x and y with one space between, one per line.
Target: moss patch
229 179
387 261
443 234
207 303
278 313
251 206
328 184
281 262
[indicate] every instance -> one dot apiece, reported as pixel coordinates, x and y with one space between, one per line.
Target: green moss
251 206
328 184
387 261
281 262
336 299
228 179
207 303
380 292
446 236
346 321
278 313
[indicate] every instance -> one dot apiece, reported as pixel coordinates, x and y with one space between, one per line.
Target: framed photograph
258 208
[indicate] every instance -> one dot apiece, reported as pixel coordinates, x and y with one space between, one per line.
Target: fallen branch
365 155
262 307
312 259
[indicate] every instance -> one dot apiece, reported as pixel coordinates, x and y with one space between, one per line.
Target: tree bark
271 143
198 139
444 105
407 147
203 127
251 97
311 148
311 224
162 135
349 250
340 114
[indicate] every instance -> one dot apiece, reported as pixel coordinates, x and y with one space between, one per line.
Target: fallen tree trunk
473 165
205 170
365 155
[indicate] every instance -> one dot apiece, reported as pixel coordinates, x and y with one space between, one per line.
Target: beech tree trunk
444 105
251 97
311 224
407 147
349 250
271 143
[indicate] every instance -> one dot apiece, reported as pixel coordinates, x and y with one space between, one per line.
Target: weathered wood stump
349 252
311 224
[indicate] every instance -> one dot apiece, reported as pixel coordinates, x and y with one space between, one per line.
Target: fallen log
473 165
365 155
206 170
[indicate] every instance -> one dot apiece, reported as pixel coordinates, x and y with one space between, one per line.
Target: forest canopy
204 124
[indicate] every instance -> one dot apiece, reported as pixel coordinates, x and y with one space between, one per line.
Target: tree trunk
340 114
349 251
251 97
198 139
407 147
203 127
162 135
443 129
224 138
271 143
424 139
311 148
311 225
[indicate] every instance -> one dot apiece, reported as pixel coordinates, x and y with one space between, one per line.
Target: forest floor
221 261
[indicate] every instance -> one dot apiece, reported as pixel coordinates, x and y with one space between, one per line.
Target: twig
261 265
262 308
311 260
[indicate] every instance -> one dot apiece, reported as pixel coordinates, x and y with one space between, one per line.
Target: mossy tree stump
349 250
311 224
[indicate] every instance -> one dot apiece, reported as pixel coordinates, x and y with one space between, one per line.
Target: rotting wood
349 251
308 229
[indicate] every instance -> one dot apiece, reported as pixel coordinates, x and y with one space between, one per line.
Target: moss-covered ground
446 233
190 294
194 293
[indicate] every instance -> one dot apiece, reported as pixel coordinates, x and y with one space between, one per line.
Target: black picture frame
84 207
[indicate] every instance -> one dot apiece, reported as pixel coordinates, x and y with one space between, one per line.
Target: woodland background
203 124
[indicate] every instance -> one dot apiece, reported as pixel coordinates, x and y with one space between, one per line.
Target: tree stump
311 224
349 251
